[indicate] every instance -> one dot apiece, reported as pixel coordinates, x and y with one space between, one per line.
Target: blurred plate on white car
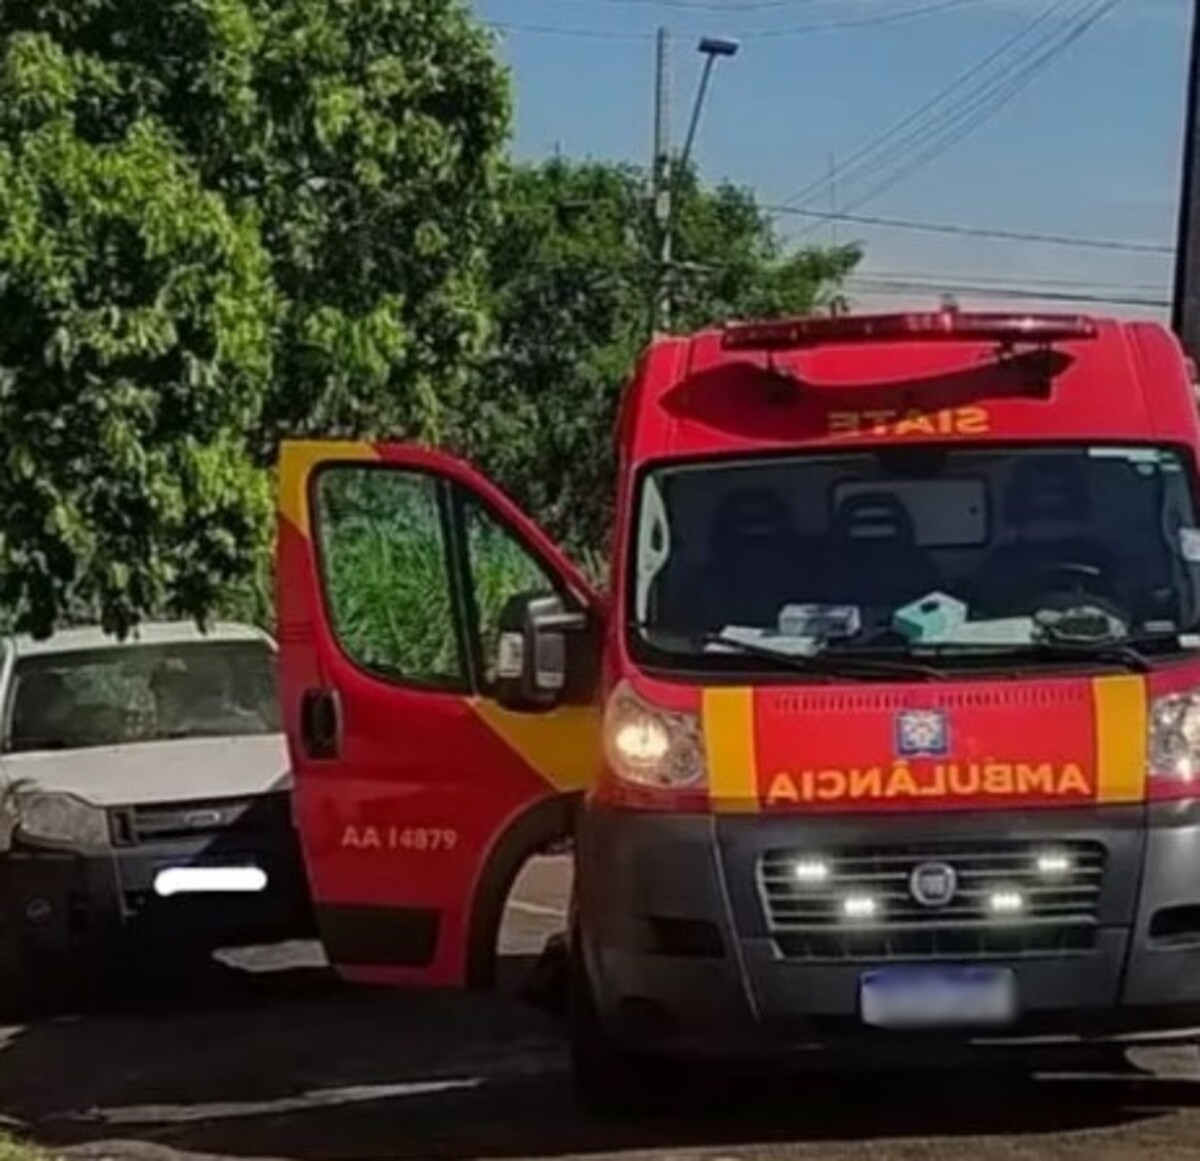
209 880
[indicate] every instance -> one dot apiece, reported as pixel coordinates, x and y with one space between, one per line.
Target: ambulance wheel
610 1080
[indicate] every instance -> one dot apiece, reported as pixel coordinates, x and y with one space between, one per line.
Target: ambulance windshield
958 551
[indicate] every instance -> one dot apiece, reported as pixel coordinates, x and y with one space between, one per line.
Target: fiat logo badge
933 884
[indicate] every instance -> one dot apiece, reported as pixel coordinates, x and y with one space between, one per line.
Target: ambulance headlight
653 747
59 818
1175 737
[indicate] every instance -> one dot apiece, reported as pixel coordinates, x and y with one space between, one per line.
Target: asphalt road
266 1056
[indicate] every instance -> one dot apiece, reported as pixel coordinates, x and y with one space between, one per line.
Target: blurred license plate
209 880
938 997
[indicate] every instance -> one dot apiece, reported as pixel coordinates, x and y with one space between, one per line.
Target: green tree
236 219
134 350
572 275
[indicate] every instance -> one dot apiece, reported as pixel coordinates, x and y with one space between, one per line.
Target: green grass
387 573
12 1149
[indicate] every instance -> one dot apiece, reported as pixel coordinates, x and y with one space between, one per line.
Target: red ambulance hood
977 745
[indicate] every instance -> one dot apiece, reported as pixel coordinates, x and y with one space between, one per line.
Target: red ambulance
884 742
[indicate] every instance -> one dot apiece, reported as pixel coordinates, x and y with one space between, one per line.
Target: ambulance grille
1058 887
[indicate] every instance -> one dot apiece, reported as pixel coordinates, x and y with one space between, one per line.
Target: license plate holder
938 997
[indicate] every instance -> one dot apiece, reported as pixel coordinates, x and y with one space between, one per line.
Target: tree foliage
135 320
222 221
390 595
573 272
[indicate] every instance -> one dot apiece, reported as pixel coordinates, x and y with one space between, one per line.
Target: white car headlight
1175 737
648 746
59 818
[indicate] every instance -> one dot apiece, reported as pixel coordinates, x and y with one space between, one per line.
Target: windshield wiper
1123 653
825 663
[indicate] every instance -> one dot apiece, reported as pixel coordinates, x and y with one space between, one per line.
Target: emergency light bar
936 326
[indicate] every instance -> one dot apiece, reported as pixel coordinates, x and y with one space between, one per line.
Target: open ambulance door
417 797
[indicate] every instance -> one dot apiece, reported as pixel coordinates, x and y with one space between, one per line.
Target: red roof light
943 326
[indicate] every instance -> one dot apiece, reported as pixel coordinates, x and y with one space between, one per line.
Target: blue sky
1090 147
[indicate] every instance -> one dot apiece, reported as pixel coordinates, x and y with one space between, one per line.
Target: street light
711 48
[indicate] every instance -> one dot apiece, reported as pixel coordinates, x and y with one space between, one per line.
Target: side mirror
532 661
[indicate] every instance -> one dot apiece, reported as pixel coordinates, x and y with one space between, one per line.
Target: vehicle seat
43 713
875 560
1046 513
751 566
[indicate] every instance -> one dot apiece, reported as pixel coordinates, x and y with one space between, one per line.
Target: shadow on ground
290 1064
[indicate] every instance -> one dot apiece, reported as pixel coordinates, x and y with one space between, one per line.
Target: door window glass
386 580
501 568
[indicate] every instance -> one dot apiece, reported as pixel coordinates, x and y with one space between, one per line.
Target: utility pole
1185 316
668 170
661 181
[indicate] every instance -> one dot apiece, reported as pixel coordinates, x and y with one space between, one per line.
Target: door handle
321 724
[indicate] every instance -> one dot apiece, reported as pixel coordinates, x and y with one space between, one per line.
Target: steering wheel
1076 586
1081 579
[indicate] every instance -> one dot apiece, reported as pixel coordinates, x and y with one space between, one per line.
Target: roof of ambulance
693 396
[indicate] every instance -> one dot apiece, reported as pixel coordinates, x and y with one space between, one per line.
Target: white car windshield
143 693
968 549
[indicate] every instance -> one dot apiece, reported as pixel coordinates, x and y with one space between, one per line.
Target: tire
532 832
610 1080
549 983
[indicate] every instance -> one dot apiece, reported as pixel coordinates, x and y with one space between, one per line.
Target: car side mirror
532 663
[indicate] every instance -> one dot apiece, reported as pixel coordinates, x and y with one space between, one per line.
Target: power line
941 276
987 104
958 229
997 294
864 151
917 286
570 33
929 8
882 18
964 231
922 144
705 5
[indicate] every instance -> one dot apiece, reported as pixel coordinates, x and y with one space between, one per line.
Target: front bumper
86 903
683 955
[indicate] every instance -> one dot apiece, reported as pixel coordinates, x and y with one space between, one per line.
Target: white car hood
151 772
